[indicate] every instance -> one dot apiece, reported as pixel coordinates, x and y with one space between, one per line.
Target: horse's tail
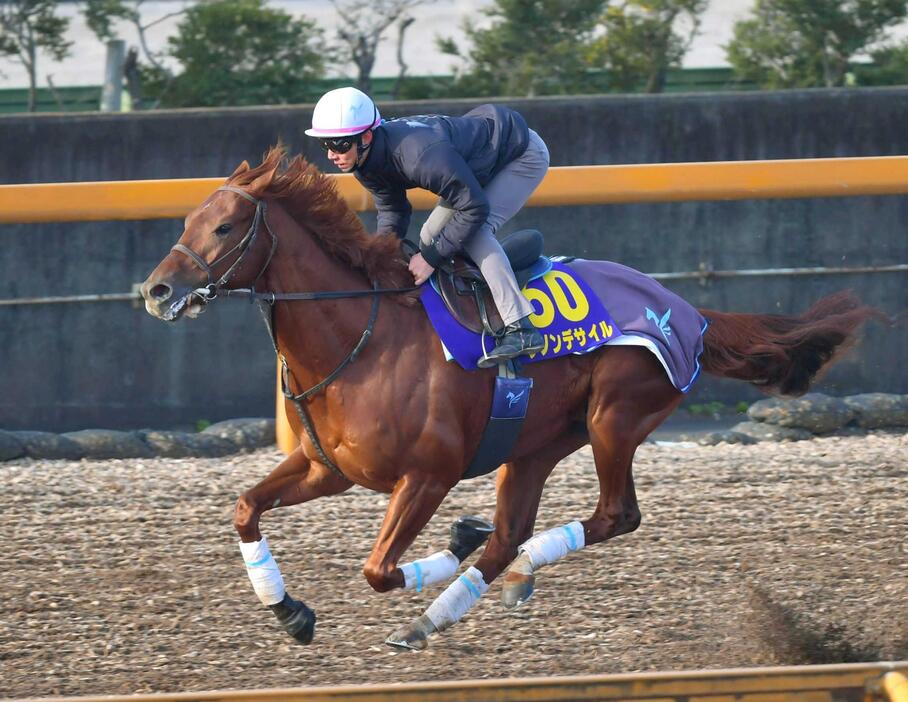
783 353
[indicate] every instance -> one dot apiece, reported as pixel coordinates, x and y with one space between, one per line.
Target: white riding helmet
343 112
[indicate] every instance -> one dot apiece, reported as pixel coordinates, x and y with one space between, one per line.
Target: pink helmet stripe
347 130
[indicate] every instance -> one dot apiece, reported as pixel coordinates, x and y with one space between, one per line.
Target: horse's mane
311 198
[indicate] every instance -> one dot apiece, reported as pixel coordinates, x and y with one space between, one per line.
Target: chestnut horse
403 420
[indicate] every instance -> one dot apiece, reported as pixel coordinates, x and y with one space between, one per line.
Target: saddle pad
650 315
572 318
569 315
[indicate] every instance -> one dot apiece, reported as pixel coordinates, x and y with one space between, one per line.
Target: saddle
466 293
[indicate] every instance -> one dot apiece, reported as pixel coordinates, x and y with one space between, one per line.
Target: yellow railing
893 687
566 185
817 683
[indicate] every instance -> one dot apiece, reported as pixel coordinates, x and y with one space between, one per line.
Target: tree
100 16
402 27
239 52
360 28
532 47
644 38
807 43
889 67
25 27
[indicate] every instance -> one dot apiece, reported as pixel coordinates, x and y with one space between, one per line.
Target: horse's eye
223 229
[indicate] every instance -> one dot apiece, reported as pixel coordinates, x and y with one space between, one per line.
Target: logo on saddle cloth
661 322
567 313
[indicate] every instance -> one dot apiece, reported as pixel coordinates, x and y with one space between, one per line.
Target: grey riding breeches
507 192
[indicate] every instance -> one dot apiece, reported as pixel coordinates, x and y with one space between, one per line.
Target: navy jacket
453 157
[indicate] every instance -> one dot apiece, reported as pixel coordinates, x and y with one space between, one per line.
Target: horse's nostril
161 292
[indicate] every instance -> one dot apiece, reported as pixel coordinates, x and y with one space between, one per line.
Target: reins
272 297
266 302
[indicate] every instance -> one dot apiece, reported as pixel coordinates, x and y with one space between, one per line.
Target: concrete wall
107 364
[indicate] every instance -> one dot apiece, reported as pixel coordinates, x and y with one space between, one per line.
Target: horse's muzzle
168 301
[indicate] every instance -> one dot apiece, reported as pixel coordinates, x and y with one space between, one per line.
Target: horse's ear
242 168
260 184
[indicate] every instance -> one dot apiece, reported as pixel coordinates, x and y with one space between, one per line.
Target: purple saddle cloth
570 312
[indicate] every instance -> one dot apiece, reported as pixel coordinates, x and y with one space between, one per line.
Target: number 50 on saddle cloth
572 318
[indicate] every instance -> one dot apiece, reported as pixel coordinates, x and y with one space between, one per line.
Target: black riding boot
520 338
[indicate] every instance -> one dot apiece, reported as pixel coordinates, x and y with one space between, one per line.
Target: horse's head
226 243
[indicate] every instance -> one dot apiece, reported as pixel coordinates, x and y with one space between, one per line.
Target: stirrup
492 358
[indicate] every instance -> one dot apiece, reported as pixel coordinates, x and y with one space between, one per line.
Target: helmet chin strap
361 150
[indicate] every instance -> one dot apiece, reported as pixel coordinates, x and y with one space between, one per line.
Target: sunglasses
339 146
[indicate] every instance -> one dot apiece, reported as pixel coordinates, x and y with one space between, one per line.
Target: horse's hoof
517 589
413 636
468 534
296 618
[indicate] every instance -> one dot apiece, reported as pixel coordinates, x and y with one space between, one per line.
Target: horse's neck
314 336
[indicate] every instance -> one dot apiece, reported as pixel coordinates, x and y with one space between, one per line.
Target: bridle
266 301
211 290
216 288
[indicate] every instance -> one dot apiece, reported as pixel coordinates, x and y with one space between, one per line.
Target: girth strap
510 400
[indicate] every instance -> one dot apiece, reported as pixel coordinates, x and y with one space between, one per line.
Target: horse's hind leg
618 423
295 480
631 397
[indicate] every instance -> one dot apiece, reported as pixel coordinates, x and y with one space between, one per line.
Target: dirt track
124 576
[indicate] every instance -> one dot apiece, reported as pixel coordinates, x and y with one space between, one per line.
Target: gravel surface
124 576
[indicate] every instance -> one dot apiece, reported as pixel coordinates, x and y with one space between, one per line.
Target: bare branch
361 30
152 58
401 30
165 17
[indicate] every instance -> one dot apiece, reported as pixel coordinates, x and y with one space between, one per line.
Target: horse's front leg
413 502
467 534
295 480
452 604
519 488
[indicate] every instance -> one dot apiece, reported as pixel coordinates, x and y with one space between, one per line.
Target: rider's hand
420 269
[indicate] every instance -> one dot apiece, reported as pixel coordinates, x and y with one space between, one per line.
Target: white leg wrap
263 571
457 599
436 568
551 545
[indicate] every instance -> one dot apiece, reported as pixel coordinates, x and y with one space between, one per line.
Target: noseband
210 291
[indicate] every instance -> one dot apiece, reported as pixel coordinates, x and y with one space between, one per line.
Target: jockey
483 166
